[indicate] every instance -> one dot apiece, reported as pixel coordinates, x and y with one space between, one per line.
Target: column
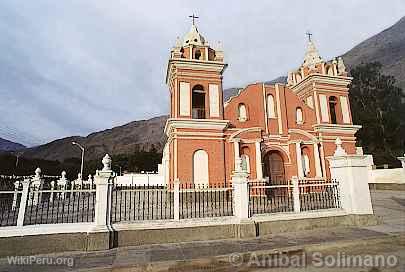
318 167
23 202
236 152
176 199
296 194
259 169
103 181
351 172
240 192
299 160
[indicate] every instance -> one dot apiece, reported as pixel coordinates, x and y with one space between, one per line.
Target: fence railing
211 200
53 200
293 195
317 194
135 203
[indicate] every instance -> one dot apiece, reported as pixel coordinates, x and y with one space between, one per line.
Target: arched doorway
274 167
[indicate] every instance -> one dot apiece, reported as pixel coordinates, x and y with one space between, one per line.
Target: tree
378 105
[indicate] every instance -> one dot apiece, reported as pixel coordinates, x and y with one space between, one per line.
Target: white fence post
61 183
15 195
240 192
296 194
176 199
351 172
402 160
103 180
23 202
37 182
52 188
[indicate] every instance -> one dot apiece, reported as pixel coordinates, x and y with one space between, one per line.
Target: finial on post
106 163
38 172
339 149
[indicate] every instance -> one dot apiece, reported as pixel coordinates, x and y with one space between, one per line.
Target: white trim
46 229
335 128
174 123
301 215
265 108
280 122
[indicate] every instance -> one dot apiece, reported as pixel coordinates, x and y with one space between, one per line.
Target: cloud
73 67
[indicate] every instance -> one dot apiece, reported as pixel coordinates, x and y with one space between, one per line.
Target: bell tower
196 123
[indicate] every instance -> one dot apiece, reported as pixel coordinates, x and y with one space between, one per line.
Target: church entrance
274 167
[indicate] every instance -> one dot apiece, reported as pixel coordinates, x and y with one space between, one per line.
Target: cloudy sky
74 67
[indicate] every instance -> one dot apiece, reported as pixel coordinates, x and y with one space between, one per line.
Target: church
276 130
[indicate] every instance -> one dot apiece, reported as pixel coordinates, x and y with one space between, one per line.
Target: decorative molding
174 123
334 128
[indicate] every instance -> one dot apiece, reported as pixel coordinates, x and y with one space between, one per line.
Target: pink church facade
278 131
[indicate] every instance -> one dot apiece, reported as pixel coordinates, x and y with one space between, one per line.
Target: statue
106 163
341 66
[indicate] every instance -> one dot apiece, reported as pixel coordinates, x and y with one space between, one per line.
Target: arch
305 161
274 148
242 112
198 102
271 113
197 54
200 168
274 167
299 116
329 71
245 162
332 109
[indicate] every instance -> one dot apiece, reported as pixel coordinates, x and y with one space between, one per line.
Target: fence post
15 195
296 194
61 183
351 172
37 182
23 202
240 191
52 188
176 199
103 180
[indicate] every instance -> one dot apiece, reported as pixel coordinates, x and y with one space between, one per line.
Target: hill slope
137 135
387 47
6 145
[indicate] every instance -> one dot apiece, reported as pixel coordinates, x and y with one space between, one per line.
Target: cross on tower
194 17
309 34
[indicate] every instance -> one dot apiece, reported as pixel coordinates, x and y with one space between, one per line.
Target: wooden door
275 168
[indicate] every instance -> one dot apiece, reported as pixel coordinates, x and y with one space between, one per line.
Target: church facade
277 131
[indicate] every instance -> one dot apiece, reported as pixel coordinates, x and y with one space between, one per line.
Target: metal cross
194 17
309 34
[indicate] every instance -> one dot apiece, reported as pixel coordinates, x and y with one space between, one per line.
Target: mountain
125 139
6 145
387 47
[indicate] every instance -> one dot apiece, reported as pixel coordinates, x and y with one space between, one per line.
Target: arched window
242 113
305 161
332 109
245 162
200 167
197 54
299 116
270 107
198 102
329 71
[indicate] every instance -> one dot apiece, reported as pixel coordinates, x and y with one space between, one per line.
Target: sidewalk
214 255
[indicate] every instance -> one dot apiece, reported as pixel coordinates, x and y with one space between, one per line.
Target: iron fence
198 201
270 198
49 203
10 195
141 202
317 194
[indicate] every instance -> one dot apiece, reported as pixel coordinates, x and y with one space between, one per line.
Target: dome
193 37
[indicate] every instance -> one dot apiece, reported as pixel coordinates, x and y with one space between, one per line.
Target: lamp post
82 148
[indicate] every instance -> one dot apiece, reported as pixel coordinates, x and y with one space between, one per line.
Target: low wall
172 232
396 175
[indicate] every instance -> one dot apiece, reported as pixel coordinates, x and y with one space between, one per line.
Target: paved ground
301 251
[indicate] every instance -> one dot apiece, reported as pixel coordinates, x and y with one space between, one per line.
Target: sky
79 66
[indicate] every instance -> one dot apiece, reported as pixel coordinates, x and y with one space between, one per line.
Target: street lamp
82 148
